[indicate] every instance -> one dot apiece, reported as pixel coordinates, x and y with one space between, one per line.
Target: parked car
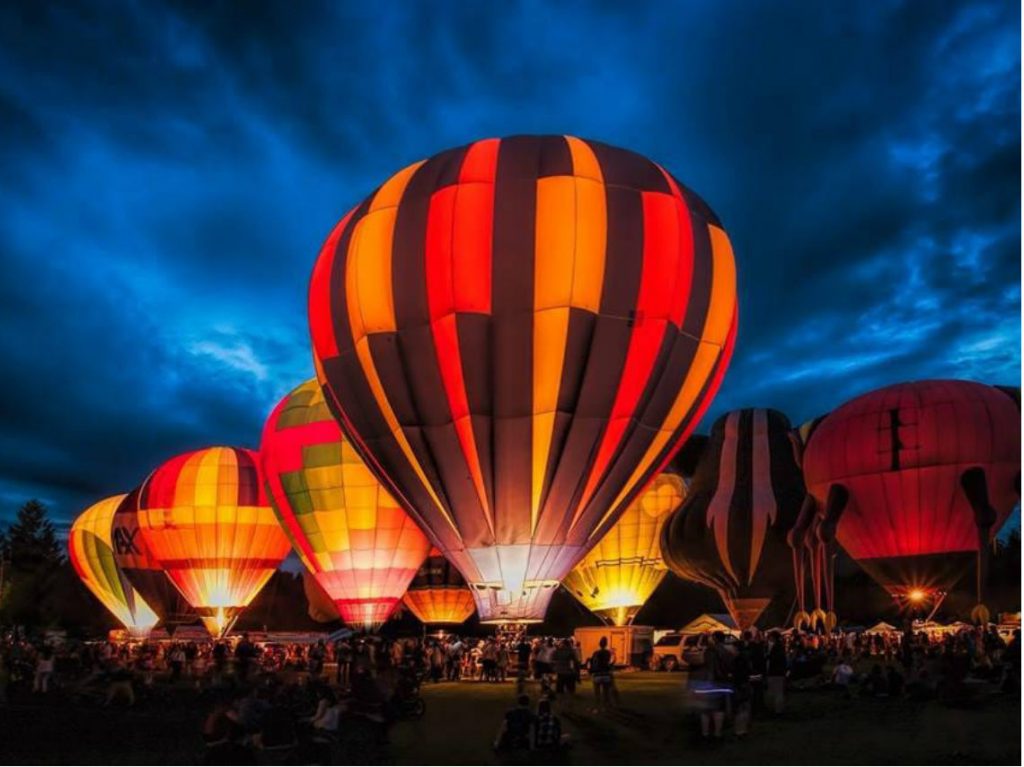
678 651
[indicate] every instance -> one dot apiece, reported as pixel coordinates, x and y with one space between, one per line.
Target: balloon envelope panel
92 556
359 544
516 335
620 573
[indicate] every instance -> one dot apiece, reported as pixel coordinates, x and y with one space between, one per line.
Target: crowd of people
748 675
330 695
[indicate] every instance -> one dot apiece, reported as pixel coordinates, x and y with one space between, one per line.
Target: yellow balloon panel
621 572
92 556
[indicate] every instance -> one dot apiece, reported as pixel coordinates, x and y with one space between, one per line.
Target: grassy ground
652 727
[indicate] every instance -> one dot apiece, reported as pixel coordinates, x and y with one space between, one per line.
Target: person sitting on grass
325 722
516 732
278 732
842 676
547 730
875 685
894 681
120 684
218 725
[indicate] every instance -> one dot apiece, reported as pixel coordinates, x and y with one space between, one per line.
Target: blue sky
168 172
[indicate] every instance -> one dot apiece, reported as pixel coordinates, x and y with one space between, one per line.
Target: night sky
168 173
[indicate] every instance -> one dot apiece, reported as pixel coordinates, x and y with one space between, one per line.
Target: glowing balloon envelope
205 518
517 335
358 543
913 480
92 556
439 594
620 573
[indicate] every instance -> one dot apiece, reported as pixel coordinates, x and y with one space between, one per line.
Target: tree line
40 590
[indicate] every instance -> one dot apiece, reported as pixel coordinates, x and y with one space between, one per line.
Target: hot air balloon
516 335
731 532
91 554
620 573
142 569
439 594
205 518
349 532
321 607
913 480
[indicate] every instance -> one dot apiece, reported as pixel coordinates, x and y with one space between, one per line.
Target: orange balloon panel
205 518
359 544
438 606
516 335
438 593
618 575
92 556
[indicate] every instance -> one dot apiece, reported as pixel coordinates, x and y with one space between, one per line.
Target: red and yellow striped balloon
92 555
517 335
205 518
358 543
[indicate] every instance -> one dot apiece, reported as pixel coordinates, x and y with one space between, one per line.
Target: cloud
169 173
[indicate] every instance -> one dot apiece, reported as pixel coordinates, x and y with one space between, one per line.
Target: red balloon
913 479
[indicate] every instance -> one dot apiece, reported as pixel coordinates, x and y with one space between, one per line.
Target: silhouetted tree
34 566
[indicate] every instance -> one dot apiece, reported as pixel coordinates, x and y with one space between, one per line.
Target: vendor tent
709 622
882 628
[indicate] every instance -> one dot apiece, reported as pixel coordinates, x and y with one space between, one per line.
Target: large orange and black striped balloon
517 335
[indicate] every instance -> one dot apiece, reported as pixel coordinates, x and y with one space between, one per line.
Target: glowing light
621 572
219 622
917 595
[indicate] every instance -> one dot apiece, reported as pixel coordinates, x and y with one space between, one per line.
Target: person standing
44 671
523 651
455 660
315 659
343 656
244 654
564 663
600 667
775 673
176 660
742 691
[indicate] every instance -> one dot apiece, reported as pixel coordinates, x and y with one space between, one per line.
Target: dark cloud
169 171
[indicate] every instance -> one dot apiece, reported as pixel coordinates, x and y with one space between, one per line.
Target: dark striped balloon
730 533
141 567
517 335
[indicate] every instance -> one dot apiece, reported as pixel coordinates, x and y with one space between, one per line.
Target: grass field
652 727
